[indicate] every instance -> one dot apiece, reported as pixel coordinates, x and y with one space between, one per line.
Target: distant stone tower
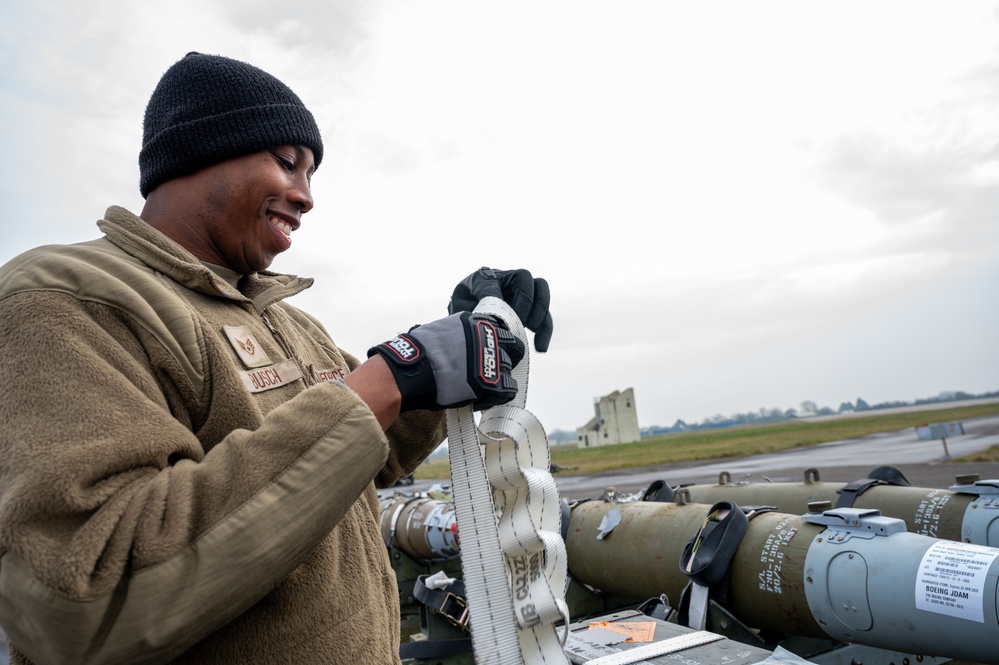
615 420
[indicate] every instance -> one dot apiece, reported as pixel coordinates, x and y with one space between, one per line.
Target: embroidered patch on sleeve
250 353
273 376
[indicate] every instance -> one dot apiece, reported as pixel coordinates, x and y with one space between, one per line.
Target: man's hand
461 359
528 296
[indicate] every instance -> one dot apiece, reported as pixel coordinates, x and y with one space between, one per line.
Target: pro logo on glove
465 358
404 348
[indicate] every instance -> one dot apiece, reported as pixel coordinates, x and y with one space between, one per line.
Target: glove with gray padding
527 295
465 358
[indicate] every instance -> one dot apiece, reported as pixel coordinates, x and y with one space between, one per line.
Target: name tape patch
273 376
328 375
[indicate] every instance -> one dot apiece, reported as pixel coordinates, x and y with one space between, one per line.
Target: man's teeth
284 226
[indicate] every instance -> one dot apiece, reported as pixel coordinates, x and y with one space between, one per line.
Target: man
188 464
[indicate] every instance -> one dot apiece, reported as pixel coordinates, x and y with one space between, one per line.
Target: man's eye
286 163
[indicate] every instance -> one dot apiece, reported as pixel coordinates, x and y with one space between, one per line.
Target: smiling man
188 463
244 209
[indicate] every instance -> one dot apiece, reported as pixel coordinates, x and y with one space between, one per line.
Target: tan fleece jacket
180 479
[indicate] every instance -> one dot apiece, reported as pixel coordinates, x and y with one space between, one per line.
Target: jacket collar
134 236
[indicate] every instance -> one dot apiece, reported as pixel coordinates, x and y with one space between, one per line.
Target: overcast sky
739 205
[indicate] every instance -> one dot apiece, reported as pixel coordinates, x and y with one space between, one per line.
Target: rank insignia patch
247 348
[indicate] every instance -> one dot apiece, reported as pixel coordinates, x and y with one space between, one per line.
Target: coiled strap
513 558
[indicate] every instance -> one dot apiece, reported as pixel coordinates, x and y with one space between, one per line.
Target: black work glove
461 359
528 296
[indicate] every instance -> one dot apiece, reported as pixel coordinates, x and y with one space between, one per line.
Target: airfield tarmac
924 463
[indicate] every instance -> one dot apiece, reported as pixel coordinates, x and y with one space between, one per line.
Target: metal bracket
846 523
978 487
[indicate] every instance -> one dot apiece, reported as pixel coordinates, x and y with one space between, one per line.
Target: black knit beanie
208 108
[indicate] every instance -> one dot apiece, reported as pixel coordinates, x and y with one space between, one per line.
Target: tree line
808 409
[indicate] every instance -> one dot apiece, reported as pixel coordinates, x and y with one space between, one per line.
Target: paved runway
923 463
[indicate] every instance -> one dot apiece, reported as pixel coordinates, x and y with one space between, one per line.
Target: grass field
741 441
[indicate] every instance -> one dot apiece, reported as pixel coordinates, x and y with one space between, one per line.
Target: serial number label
927 517
772 556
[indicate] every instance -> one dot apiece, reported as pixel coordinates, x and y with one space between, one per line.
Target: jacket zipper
306 376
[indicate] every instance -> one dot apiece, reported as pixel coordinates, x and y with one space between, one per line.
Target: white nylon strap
507 506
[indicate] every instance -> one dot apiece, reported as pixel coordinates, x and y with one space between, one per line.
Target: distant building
615 420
